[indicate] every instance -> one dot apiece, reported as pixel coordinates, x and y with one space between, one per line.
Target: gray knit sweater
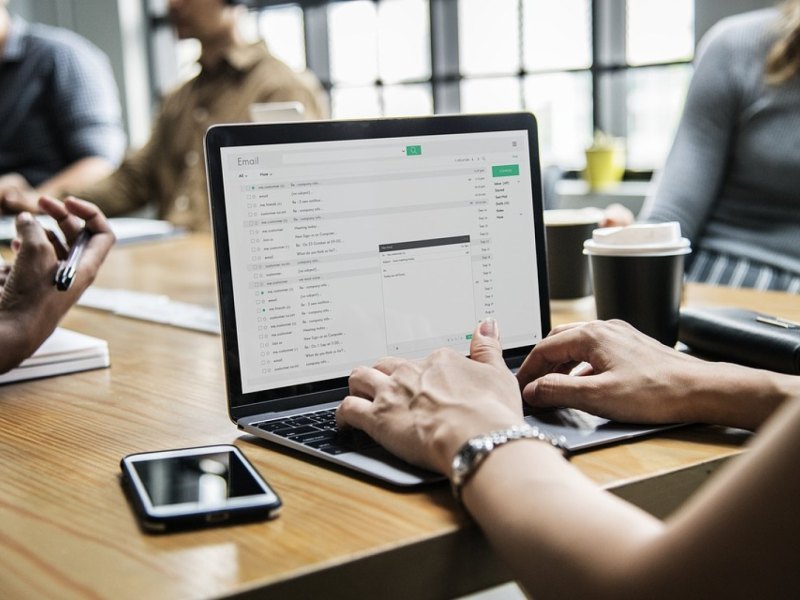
732 178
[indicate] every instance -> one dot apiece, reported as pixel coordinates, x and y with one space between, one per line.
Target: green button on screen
413 150
505 170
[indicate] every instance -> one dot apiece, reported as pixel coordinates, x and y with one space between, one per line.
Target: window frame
607 69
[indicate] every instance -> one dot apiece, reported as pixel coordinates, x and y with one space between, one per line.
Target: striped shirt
722 269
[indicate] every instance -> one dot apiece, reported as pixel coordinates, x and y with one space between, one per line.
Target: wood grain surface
66 530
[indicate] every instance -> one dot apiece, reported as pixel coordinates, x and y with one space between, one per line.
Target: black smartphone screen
202 479
196 486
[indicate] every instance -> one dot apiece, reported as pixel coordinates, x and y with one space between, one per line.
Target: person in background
169 170
30 305
732 178
60 123
561 534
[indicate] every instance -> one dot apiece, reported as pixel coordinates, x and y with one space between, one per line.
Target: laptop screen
342 251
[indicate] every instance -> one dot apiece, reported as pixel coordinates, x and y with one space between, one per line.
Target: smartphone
196 487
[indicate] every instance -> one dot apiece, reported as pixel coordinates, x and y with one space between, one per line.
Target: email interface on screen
344 252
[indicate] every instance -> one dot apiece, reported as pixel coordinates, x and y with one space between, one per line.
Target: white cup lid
644 239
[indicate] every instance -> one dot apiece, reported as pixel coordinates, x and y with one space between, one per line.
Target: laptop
340 242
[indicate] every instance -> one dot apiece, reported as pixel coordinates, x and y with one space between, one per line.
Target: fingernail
24 217
488 328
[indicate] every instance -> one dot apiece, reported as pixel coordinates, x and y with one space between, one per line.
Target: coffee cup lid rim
590 248
638 239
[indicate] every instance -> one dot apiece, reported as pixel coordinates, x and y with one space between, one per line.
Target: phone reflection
204 480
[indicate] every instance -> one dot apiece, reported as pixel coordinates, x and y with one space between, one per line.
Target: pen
778 322
65 274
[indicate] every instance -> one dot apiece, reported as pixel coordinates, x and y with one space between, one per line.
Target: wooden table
67 531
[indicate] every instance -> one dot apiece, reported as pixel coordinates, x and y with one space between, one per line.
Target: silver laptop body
340 242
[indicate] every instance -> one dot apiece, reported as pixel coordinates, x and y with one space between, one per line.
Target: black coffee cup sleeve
742 336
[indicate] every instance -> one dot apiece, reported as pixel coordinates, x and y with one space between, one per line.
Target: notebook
339 242
63 352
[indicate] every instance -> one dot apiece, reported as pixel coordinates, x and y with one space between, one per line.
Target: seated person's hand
616 215
30 305
423 411
17 195
625 376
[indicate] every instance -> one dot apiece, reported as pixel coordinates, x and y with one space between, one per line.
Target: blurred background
620 66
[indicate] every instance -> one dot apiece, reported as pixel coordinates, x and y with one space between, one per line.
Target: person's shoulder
282 74
744 29
264 59
738 44
63 44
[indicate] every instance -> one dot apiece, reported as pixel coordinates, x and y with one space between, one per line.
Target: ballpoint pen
65 274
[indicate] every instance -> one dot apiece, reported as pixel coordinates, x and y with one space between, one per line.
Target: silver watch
475 450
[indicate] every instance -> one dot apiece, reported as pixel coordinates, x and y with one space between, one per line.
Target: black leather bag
742 336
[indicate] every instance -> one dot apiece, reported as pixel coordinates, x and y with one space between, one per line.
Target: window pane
488 36
562 103
188 52
557 35
655 101
282 28
660 31
402 100
490 95
404 48
353 39
355 102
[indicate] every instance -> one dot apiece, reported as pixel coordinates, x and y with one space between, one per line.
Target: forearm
562 536
128 188
79 174
733 395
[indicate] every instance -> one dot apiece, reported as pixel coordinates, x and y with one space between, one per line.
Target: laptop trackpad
584 430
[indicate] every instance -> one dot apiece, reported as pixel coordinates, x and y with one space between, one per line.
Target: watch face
470 453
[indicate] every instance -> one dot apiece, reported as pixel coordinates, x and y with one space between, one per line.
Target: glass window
282 28
655 101
557 35
188 54
659 31
407 100
488 37
498 55
355 102
490 95
404 49
562 104
353 39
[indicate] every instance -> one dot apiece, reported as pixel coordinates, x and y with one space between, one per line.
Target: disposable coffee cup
567 268
637 274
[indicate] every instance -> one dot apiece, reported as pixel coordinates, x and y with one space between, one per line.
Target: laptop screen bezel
242 404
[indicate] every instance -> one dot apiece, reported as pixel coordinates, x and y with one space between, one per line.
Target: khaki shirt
169 170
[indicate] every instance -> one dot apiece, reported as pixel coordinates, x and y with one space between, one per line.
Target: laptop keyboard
318 430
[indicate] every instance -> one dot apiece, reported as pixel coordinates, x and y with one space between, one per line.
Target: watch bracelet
498 438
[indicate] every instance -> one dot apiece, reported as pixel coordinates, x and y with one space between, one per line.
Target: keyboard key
271 425
333 449
293 432
309 439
